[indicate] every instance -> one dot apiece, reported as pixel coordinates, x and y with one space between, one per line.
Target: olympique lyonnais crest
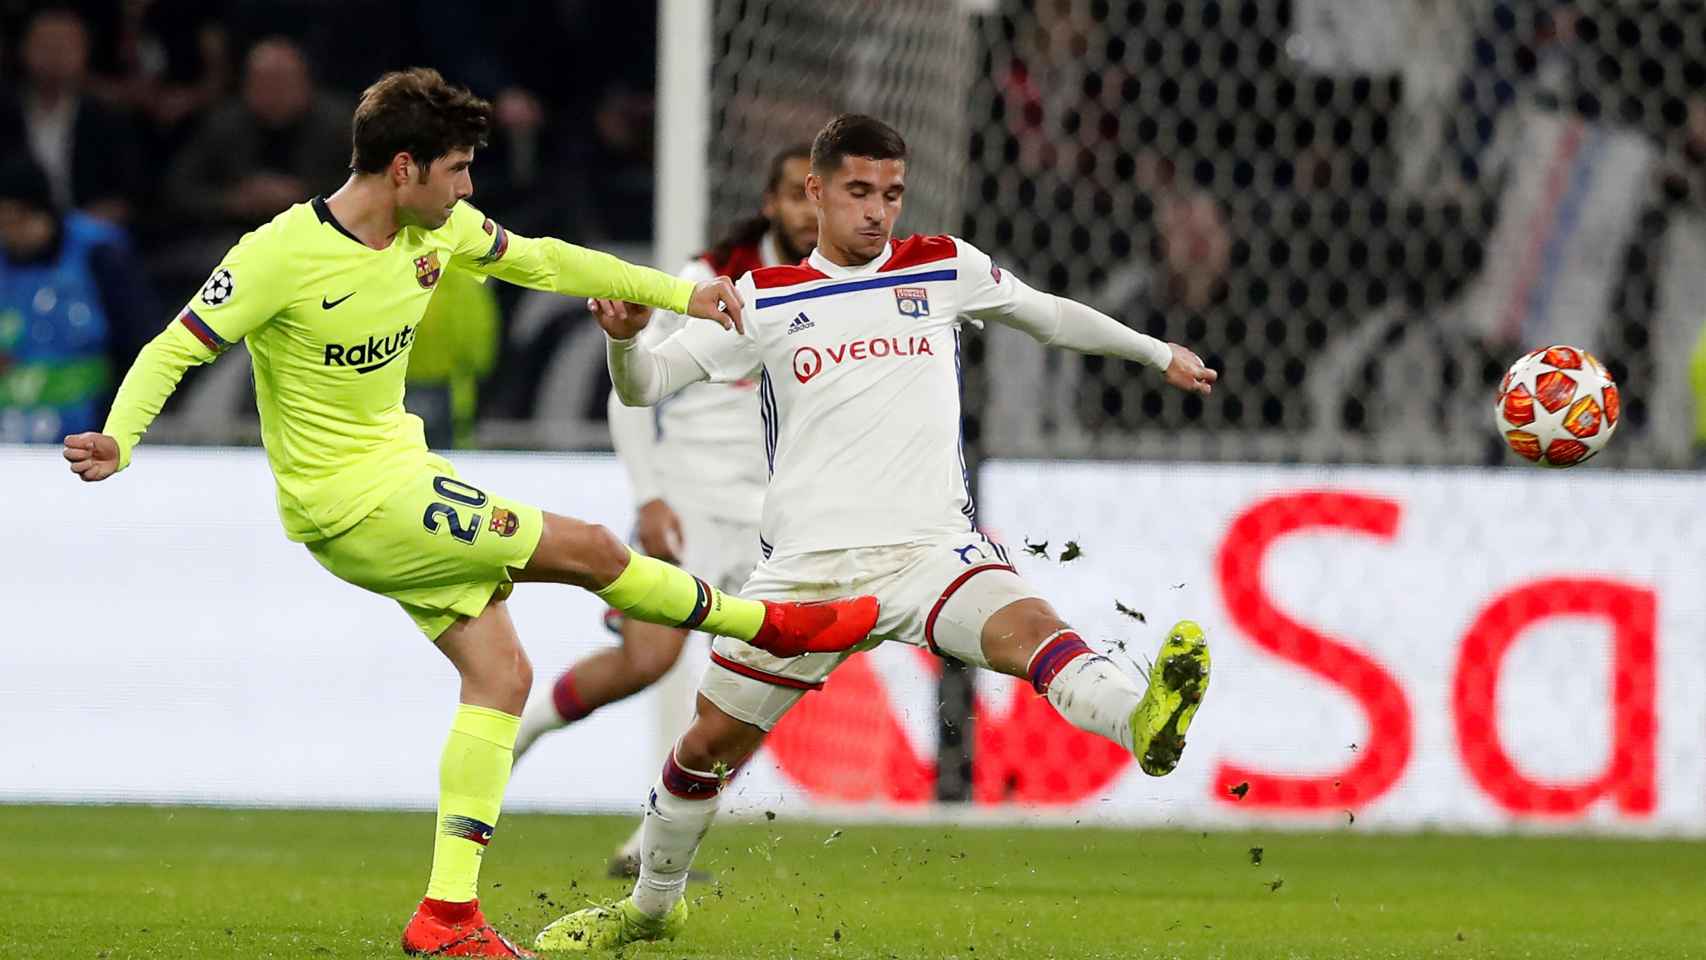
912 301
427 269
504 523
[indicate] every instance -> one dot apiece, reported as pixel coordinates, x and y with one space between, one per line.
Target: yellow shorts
440 547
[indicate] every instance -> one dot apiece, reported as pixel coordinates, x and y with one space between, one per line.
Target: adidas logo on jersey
801 322
370 356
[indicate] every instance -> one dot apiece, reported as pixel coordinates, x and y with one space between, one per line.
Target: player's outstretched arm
1059 322
642 375
998 296
644 371
546 263
150 381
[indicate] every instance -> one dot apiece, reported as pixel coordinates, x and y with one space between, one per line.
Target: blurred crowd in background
1360 210
144 137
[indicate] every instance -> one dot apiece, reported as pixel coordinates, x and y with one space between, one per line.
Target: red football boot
820 626
440 928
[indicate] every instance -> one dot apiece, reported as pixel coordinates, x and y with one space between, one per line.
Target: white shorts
718 551
937 594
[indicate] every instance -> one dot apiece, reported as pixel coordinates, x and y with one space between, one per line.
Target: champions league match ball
1557 406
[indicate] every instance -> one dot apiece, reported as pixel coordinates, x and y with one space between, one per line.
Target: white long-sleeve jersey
860 384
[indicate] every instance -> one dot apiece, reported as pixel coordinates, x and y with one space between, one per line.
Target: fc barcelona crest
427 269
504 523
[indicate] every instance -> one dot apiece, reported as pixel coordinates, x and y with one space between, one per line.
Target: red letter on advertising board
1628 777
1382 757
846 744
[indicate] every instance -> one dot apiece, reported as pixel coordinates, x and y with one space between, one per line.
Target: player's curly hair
854 135
747 232
416 112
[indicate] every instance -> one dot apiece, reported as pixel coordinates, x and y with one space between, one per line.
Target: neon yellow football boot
610 926
1177 683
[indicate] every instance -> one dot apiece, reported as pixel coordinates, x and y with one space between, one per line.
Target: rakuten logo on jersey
811 361
371 355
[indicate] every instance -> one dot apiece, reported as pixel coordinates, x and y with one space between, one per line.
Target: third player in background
697 469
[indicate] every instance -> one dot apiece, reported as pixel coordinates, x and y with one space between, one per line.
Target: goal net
1361 214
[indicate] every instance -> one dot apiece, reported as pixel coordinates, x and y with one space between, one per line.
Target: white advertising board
1454 649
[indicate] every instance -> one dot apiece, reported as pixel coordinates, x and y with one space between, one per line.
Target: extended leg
590 556
1022 636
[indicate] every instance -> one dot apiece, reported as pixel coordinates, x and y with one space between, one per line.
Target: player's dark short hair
854 135
419 113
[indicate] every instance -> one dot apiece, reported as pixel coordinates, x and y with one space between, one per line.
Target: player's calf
717 741
683 802
648 651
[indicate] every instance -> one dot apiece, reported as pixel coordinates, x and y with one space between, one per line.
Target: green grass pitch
106 883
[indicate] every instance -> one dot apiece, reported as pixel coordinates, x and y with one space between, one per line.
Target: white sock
682 805
554 709
538 718
1085 687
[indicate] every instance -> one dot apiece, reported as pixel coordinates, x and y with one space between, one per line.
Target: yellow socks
656 592
471 780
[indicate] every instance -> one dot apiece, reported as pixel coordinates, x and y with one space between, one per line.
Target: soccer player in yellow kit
327 296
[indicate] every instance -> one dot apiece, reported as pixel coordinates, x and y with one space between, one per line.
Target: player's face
426 196
792 212
857 206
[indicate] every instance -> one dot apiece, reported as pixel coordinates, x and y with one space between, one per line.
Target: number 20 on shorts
451 488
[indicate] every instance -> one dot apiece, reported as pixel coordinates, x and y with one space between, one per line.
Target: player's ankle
451 911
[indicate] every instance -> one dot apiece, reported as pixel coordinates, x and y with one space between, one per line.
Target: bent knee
521 678
583 554
510 686
1014 633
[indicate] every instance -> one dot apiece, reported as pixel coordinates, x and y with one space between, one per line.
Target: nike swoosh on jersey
325 305
375 366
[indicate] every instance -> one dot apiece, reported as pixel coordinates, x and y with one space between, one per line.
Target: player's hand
1188 373
659 531
620 319
93 456
717 300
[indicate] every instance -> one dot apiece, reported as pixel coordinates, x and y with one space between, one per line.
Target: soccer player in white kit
858 357
697 468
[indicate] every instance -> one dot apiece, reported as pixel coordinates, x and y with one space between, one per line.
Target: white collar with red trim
830 268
